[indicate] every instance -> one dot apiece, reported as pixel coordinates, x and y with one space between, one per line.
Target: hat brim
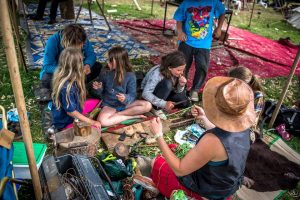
223 120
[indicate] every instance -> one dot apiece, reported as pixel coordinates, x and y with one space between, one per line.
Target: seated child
254 82
117 88
69 90
164 84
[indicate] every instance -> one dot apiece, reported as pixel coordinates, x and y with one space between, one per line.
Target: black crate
81 167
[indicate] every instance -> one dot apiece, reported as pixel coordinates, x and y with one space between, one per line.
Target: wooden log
67 9
81 145
15 78
82 129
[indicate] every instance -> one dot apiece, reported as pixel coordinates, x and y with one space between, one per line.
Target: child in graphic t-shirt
195 20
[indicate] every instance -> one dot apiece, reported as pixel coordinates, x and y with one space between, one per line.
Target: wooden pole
251 13
14 72
285 89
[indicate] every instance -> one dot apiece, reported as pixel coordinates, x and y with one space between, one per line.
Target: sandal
283 133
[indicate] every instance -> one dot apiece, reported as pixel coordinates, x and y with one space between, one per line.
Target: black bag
288 116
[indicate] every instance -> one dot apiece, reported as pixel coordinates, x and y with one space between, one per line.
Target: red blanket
265 57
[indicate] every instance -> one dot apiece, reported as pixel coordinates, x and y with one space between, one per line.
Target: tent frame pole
285 89
13 67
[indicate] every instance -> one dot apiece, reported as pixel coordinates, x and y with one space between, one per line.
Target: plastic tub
20 162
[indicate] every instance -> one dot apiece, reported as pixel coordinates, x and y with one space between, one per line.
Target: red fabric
264 48
165 179
264 57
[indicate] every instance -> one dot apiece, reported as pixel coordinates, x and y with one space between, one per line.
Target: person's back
214 167
225 176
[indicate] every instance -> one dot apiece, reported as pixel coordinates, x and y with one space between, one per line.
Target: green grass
7 97
274 86
269 24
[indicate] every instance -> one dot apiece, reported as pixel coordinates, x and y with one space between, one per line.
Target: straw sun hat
229 104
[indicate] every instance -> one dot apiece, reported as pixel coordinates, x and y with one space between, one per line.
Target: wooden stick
251 13
285 89
14 72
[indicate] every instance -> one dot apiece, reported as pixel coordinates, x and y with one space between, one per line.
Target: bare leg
109 116
136 108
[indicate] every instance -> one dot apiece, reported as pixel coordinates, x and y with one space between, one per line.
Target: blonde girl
69 90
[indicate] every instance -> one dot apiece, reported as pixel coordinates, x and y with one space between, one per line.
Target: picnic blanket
98 34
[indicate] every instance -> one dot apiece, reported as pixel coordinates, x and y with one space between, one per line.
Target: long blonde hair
119 55
70 72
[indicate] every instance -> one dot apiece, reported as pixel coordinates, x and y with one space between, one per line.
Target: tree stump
67 9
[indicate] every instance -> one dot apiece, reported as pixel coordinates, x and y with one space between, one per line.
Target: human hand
198 112
97 85
121 97
96 124
182 80
87 69
217 33
169 106
156 126
181 36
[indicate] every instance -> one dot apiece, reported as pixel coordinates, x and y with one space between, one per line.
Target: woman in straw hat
214 167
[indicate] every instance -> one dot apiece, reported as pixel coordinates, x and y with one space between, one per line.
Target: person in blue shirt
72 35
117 88
69 93
195 21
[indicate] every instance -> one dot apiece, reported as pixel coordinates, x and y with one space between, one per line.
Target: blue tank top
220 181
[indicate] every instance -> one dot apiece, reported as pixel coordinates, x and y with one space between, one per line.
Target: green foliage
268 23
182 150
274 86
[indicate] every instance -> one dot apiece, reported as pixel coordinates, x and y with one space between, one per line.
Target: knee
147 106
103 121
168 84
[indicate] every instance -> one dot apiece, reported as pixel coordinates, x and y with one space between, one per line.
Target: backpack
288 116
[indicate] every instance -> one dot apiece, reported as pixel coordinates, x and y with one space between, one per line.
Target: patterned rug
98 35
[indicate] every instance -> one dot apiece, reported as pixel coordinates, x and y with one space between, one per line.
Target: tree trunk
67 9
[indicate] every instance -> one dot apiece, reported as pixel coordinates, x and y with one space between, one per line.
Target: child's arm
149 96
181 34
51 54
181 84
89 54
97 88
220 14
71 104
98 85
77 115
180 17
130 95
218 30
